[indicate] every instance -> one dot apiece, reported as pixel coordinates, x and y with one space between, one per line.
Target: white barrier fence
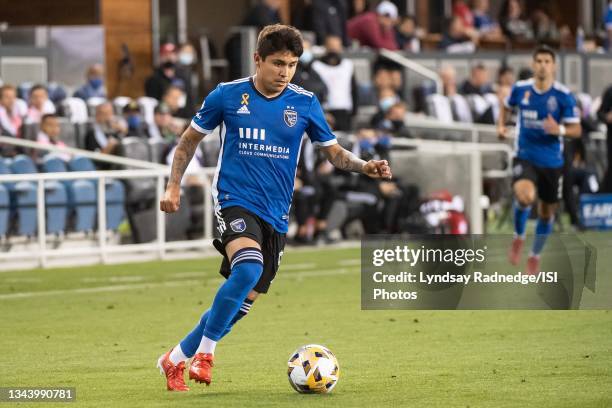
160 247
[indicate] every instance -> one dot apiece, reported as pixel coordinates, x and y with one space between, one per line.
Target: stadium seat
157 149
136 148
81 195
115 204
68 133
115 193
56 197
92 103
147 106
5 209
478 104
119 103
29 131
75 110
439 107
461 109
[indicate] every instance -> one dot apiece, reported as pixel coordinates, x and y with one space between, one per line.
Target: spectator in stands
604 114
186 69
375 29
107 131
95 84
458 38
544 26
10 117
163 77
448 75
49 134
338 75
505 76
39 104
462 10
163 129
357 7
513 23
175 99
483 21
329 17
407 35
393 121
262 14
478 82
306 77
136 126
578 177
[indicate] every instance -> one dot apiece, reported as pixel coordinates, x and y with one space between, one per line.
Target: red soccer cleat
201 368
533 265
514 253
173 373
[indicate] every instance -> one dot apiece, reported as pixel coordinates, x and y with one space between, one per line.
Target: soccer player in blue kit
546 113
262 120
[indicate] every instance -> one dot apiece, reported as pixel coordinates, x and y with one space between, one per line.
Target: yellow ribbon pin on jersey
245 99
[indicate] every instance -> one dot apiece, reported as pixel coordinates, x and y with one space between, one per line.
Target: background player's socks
247 266
543 230
177 355
191 342
521 215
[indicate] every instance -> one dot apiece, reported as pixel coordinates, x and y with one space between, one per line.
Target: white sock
177 355
206 346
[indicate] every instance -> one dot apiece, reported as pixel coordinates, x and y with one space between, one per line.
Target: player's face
276 70
544 66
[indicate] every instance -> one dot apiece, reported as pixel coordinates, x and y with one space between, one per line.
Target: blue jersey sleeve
569 110
608 19
513 99
210 114
318 130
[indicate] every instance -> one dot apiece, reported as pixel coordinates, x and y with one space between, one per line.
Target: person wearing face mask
95 84
338 74
306 77
163 77
136 126
186 69
386 99
393 120
105 133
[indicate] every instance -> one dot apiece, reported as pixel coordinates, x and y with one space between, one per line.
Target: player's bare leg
546 217
524 193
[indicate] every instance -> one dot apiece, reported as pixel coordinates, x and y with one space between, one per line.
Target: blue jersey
533 144
260 145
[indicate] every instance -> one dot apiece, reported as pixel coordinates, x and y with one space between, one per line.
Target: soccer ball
313 369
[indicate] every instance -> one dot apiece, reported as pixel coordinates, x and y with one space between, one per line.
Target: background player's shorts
548 181
236 222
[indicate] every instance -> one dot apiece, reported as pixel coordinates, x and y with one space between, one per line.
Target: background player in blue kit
262 120
546 113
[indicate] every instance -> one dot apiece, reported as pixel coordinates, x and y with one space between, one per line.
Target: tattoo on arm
182 156
345 160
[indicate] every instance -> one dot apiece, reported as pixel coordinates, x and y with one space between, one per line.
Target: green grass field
101 329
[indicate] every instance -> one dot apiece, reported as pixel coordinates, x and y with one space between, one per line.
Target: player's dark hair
278 37
544 49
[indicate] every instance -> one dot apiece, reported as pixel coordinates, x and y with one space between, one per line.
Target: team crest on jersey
551 104
238 225
526 96
290 117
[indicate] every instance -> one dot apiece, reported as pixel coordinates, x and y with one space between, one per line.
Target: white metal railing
146 169
414 66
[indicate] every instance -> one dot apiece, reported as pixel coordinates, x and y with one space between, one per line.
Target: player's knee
525 196
247 266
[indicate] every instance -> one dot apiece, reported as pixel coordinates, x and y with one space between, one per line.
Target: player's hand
550 125
171 201
377 169
502 132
